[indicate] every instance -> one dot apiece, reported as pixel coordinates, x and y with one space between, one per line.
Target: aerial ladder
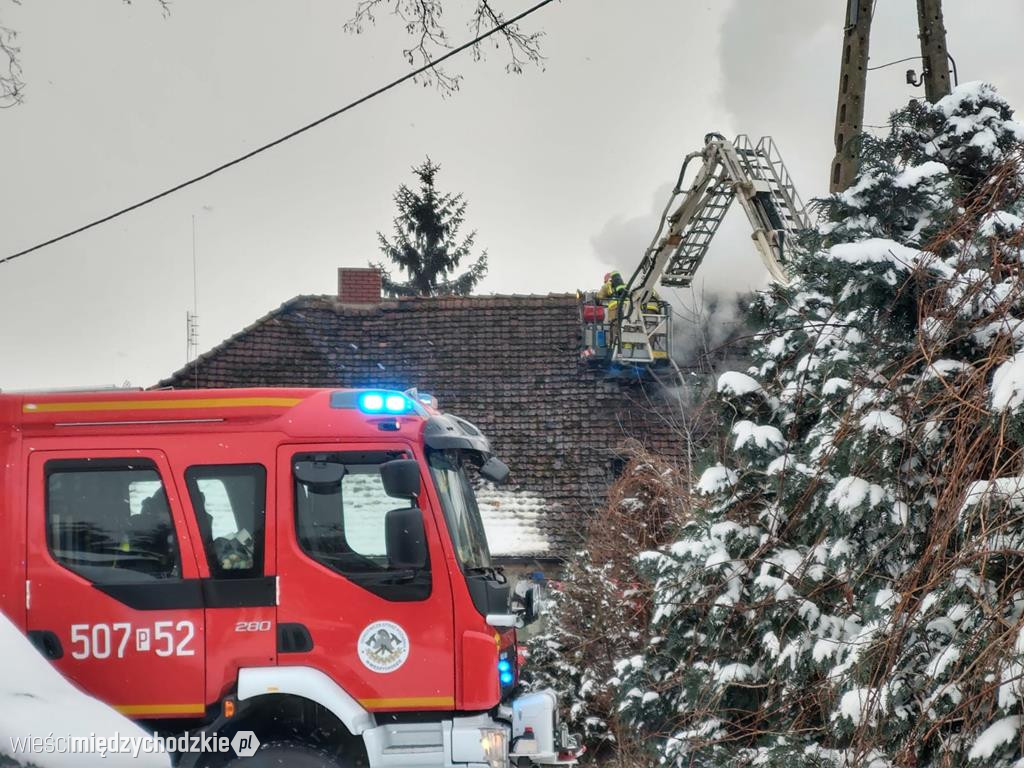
634 331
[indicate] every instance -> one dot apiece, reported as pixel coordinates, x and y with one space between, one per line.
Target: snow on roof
511 519
36 700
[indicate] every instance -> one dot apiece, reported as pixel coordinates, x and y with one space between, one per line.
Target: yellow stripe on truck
160 709
409 701
162 405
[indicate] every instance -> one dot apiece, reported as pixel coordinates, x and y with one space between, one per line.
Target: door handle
47 643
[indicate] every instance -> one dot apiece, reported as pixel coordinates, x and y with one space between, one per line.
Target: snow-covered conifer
852 590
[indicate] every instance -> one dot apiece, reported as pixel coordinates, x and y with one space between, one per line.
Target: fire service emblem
383 647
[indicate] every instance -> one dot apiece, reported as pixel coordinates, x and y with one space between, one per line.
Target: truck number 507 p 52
104 641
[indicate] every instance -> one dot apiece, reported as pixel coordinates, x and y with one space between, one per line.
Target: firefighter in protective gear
613 286
612 293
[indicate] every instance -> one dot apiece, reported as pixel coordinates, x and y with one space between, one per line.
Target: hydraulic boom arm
753 174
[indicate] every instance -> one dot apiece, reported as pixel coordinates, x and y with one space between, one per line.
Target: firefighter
653 304
613 288
612 293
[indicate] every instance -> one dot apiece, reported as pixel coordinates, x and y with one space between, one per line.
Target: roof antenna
192 317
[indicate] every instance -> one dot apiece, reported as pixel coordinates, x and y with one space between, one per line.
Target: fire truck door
113 596
378 626
227 504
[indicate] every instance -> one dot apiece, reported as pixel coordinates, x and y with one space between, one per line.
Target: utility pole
853 78
934 55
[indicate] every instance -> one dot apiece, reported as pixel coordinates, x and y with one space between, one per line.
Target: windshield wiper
491 572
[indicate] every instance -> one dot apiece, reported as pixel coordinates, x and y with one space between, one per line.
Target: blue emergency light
505 672
371 402
384 402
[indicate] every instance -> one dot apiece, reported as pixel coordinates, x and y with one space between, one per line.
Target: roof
509 364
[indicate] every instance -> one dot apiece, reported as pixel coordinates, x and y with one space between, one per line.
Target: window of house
230 502
108 520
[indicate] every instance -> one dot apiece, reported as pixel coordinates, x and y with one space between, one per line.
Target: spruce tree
426 245
851 591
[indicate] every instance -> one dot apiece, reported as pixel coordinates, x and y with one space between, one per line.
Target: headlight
494 742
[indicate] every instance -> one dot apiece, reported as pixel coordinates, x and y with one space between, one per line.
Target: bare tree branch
12 86
522 48
424 24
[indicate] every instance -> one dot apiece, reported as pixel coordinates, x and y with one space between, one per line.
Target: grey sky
563 169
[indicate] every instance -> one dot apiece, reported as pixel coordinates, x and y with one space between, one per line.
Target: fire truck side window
108 520
230 503
340 513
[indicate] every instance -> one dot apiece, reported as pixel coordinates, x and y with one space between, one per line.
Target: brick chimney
359 285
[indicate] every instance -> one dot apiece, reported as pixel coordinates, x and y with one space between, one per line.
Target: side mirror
405 539
531 604
524 608
495 470
527 601
401 478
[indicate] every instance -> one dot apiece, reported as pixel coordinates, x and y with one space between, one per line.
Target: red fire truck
308 565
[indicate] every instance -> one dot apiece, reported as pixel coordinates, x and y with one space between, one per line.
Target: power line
242 158
891 63
956 75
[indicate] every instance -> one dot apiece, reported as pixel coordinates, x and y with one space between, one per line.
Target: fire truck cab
309 565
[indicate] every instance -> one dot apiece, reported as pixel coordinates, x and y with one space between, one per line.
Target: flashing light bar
384 402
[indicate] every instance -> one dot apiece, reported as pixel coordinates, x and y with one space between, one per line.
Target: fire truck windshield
460 509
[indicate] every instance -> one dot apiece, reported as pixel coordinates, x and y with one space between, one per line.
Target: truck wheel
289 754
